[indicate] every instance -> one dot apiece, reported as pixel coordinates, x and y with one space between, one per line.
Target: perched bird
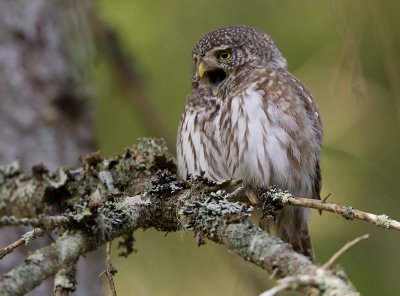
246 117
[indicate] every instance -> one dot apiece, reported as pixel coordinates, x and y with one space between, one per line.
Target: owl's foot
229 185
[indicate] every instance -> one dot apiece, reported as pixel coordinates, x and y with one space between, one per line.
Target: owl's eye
224 55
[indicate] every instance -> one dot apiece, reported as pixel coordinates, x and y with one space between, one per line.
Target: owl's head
220 53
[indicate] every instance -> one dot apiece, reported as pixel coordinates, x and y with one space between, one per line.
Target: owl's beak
202 69
215 89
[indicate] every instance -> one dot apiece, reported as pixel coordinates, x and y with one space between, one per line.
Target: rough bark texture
109 198
45 113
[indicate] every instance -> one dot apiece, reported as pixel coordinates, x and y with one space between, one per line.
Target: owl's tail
292 228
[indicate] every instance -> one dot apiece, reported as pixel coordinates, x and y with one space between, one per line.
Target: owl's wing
296 232
313 113
317 182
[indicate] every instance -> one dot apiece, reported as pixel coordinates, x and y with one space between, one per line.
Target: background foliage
346 52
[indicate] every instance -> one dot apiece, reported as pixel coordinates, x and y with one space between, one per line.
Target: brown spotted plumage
248 118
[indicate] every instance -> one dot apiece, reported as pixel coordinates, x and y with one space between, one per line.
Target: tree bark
45 110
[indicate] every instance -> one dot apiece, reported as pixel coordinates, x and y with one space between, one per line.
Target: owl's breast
263 144
199 147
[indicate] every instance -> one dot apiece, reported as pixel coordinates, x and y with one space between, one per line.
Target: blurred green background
346 52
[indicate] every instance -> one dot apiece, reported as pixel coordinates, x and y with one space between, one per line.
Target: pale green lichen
36 257
26 193
81 213
107 179
62 280
11 169
383 221
205 215
130 205
8 185
29 236
8 220
95 197
65 278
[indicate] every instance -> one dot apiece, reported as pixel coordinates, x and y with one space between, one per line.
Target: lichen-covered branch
25 239
347 212
65 281
44 263
109 198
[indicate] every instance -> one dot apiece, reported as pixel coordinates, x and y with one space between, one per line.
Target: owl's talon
229 185
228 182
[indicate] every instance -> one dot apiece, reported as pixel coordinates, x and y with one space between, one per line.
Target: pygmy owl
246 117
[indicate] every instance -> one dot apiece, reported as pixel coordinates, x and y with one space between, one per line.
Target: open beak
215 76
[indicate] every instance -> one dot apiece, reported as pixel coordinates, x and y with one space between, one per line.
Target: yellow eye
224 55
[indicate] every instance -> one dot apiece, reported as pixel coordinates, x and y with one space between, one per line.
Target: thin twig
110 271
324 200
283 286
45 221
297 283
25 239
60 291
343 250
347 212
273 274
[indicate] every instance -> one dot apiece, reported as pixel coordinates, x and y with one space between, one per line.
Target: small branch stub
343 250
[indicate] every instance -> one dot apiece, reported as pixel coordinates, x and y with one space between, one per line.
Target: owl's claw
228 185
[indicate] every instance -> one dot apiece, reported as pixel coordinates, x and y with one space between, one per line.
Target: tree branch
25 239
109 198
343 250
44 263
347 212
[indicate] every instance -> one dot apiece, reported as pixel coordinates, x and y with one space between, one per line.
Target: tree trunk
45 110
